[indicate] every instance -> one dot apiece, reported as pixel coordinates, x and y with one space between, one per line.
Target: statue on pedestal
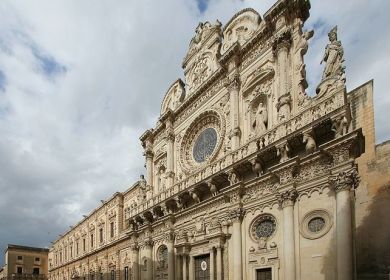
261 119
333 56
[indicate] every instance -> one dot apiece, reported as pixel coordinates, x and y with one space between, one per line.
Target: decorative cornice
237 214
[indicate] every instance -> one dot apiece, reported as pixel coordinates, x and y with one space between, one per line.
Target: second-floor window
20 258
101 235
71 251
112 229
91 240
126 273
84 247
77 248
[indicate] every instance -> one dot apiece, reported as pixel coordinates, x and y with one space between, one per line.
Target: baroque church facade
247 177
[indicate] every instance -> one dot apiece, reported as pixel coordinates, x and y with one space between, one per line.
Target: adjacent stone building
247 177
23 262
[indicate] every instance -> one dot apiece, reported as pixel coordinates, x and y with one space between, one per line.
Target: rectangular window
77 248
84 247
264 274
20 258
19 270
36 270
37 259
71 250
91 240
101 235
112 274
126 273
60 256
112 229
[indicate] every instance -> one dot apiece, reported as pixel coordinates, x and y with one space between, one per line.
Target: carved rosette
345 180
208 119
287 198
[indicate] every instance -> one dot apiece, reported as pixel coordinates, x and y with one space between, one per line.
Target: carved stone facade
246 175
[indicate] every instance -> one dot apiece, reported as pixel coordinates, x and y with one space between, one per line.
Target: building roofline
22 247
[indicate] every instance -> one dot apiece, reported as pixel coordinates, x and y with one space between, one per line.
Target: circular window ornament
203 265
316 224
263 227
205 144
202 141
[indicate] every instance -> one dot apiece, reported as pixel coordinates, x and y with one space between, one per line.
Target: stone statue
261 119
284 107
333 56
311 145
340 126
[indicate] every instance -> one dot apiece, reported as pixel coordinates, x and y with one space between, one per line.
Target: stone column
149 258
236 217
342 184
212 269
149 167
135 267
171 257
287 200
234 87
191 272
185 267
280 48
219 262
170 153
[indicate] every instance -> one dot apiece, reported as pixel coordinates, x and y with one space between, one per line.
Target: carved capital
170 136
148 154
282 42
345 180
134 247
236 215
170 236
148 242
233 83
287 198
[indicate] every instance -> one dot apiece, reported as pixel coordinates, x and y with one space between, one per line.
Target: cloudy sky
81 80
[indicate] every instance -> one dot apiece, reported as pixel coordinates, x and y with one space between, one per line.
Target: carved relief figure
311 145
259 125
333 56
301 49
340 126
284 107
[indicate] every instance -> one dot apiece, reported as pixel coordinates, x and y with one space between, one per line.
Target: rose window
263 227
205 144
316 224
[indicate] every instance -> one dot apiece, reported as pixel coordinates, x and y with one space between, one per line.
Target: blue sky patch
202 5
49 66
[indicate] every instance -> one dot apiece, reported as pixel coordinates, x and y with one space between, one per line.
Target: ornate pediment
240 28
174 97
201 60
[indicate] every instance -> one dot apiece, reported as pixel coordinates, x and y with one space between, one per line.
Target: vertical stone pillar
287 200
191 272
219 262
235 134
170 153
149 166
280 48
135 257
342 184
212 268
236 216
185 267
149 258
171 256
